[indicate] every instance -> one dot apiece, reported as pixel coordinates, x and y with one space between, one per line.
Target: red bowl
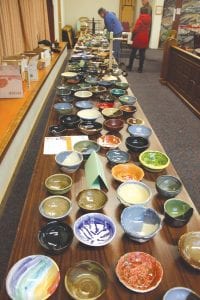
103 105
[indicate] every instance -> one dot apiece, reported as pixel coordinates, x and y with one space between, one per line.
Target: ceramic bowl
84 86
69 74
89 114
63 90
58 184
98 89
63 108
168 186
136 143
55 236
128 171
101 227
39 271
121 85
84 104
70 121
93 80
102 105
113 124
55 207
83 94
107 98
66 98
154 161
135 263
90 128
57 130
116 156
117 92
140 130
134 121
180 293
92 199
111 113
86 148
177 212
128 110
87 279
105 83
130 100
75 88
189 248
69 161
109 141
140 223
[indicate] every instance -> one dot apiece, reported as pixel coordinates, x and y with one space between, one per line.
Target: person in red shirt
140 38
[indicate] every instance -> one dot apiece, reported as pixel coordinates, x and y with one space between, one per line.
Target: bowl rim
97 190
69 151
179 288
55 196
59 174
128 164
150 166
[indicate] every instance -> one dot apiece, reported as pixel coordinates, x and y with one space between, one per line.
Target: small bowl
70 121
87 279
58 184
86 148
98 89
117 156
101 228
83 94
102 105
92 199
180 293
55 236
89 114
133 193
69 74
109 141
117 92
141 266
189 248
136 143
57 130
63 108
110 113
84 104
128 110
121 85
113 124
134 121
140 223
168 186
55 207
90 128
125 172
177 212
154 161
130 100
69 161
140 130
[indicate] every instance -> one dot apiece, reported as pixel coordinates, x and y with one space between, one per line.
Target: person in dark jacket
140 38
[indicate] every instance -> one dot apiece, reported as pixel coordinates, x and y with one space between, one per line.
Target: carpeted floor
176 126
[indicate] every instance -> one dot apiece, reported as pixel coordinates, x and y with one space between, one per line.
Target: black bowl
70 121
136 143
57 130
90 128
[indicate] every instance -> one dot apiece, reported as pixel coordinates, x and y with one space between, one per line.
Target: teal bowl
117 92
121 85
127 99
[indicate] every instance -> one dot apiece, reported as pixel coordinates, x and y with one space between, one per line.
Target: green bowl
117 92
58 184
121 85
92 199
154 161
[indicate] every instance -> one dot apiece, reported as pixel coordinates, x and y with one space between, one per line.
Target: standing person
140 34
112 24
145 3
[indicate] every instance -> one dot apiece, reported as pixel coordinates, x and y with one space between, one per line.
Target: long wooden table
163 246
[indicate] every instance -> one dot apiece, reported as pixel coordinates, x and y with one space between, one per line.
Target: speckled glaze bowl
55 207
58 184
168 186
91 199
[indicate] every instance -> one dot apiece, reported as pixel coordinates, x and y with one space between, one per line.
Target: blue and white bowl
180 293
140 130
94 229
69 161
84 104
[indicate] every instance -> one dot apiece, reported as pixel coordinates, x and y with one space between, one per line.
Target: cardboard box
10 82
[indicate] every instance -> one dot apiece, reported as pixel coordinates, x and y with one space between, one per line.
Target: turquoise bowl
117 92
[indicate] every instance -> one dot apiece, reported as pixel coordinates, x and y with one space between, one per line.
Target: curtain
22 24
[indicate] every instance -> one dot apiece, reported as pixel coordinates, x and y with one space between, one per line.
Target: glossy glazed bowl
69 161
55 236
140 130
128 171
117 92
140 223
154 161
63 108
135 263
33 277
102 105
57 130
83 104
180 293
136 143
116 156
128 110
58 184
55 207
70 121
130 100
109 141
86 148
89 114
92 199
83 94
168 186
135 121
121 85
87 279
90 128
189 248
111 113
177 212
101 227
113 124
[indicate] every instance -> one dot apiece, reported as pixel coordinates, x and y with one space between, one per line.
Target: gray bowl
168 186
63 108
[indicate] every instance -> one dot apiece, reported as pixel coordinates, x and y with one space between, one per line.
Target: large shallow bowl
133 192
130 100
140 223
69 161
116 156
139 272
101 228
140 130
189 248
83 94
92 199
33 277
89 114
180 293
168 186
83 104
58 184
113 124
63 108
136 143
129 171
109 141
154 161
111 113
70 121
55 236
87 279
86 148
55 207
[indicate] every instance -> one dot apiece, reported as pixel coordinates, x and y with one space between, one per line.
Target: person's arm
110 21
137 26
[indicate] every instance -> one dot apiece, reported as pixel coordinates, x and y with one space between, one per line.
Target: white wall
55 10
156 24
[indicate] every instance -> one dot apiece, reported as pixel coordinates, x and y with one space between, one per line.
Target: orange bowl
124 172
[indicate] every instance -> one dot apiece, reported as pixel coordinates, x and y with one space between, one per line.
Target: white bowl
69 74
69 161
89 114
83 94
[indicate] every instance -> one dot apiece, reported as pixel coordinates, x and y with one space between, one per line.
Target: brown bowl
128 110
113 124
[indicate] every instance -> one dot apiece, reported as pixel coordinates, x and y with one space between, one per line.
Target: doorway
127 13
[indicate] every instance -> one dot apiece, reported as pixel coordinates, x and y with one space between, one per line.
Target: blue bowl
69 161
84 104
127 99
94 229
140 223
117 156
140 130
63 108
180 293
